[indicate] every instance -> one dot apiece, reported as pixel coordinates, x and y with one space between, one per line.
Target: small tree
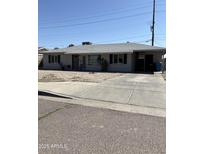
56 48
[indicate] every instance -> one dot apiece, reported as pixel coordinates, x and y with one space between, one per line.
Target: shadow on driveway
42 93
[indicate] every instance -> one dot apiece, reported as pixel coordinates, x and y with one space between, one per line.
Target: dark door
139 62
139 65
149 65
75 62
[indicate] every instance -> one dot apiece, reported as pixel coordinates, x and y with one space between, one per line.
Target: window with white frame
118 58
54 59
93 59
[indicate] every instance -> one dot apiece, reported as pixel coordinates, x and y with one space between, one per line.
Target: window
93 59
121 58
115 59
54 59
118 58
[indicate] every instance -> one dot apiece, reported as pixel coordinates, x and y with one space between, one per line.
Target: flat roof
107 48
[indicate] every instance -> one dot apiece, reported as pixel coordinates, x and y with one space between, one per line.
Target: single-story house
118 57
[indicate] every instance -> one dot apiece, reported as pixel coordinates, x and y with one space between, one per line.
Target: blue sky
62 22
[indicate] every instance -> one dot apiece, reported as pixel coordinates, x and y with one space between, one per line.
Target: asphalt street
75 129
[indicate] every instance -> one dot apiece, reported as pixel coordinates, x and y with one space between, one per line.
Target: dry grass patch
63 76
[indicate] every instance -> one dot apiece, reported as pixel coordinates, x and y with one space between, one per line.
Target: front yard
63 76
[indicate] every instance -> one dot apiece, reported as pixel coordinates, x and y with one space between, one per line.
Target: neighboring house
40 56
42 49
40 60
119 57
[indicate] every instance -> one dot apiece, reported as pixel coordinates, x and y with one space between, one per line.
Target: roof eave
67 53
52 52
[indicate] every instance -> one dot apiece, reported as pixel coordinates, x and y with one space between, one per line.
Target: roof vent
86 43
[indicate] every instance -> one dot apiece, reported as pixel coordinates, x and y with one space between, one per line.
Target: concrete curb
109 105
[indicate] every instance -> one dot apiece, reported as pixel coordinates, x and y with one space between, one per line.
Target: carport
147 61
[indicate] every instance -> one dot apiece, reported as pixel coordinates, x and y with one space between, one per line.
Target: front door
149 65
139 62
75 62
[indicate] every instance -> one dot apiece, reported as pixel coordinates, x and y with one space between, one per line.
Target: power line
159 43
105 14
97 21
130 37
123 8
91 31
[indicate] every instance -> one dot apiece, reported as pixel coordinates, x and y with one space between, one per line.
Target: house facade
122 57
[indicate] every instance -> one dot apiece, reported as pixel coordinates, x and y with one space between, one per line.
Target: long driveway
137 89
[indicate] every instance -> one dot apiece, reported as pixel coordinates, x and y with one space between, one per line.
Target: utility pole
153 22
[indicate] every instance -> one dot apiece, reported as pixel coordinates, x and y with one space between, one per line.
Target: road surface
75 129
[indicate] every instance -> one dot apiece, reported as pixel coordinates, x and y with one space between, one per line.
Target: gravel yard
63 76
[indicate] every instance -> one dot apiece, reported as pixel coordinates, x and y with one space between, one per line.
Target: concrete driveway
136 89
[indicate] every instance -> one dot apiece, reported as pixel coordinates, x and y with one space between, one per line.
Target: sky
64 22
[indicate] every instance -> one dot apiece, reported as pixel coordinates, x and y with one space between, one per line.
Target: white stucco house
119 57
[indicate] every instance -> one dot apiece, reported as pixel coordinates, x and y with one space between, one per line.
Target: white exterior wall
111 67
67 60
47 65
120 67
96 67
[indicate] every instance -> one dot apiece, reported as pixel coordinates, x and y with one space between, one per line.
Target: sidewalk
136 89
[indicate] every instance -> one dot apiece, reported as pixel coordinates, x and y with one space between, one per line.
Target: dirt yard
63 76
